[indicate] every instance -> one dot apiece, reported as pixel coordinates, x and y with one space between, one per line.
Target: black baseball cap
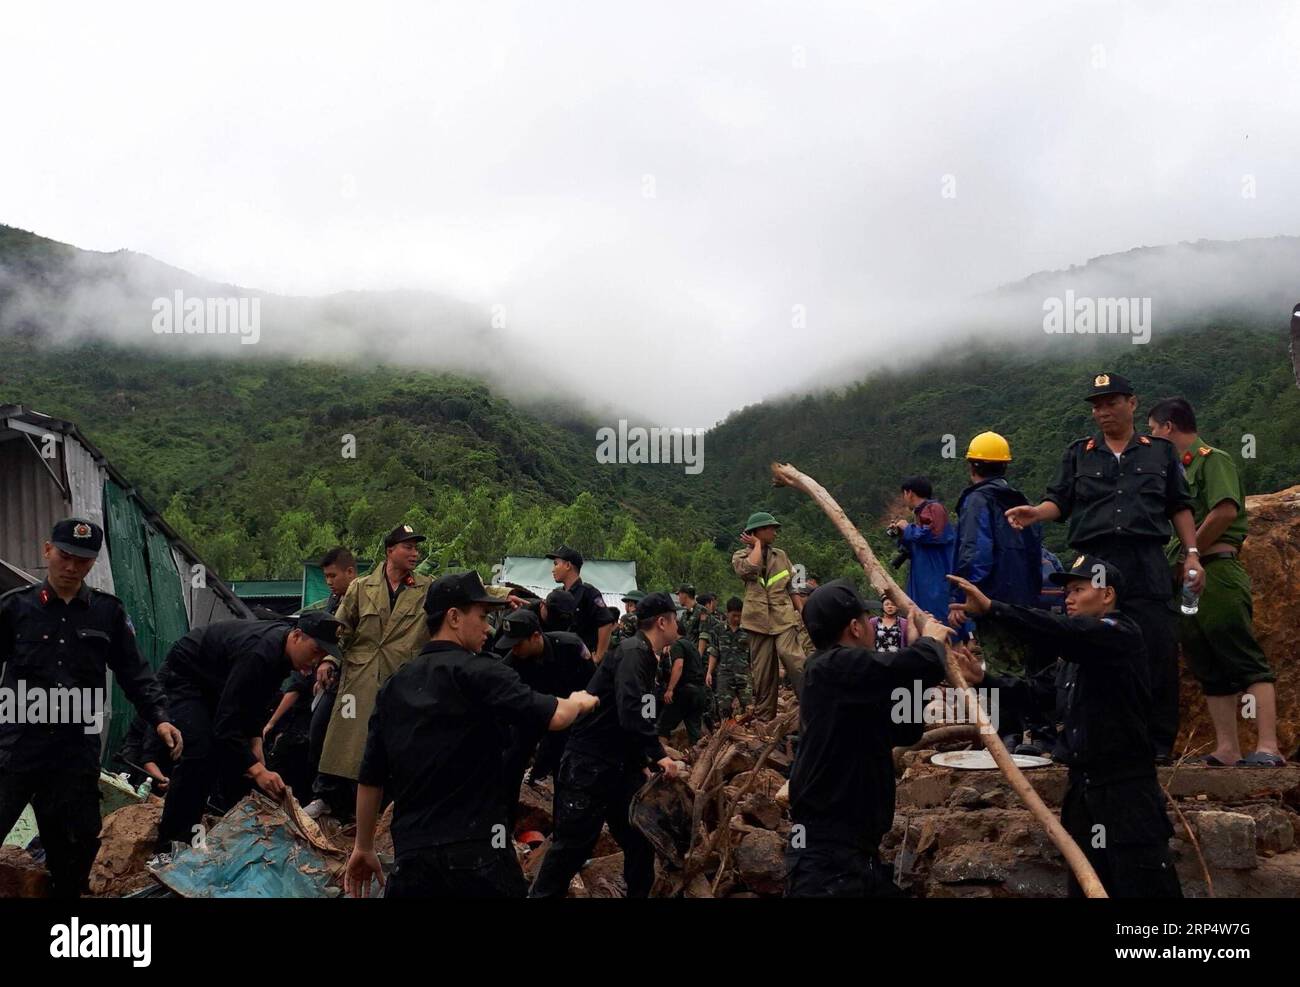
686 588
1105 383
78 536
403 532
707 598
461 589
570 555
563 601
654 604
1086 567
323 629
830 608
519 625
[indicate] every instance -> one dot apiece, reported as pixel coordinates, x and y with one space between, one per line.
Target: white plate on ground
982 760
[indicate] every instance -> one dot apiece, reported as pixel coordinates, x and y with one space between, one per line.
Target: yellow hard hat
989 447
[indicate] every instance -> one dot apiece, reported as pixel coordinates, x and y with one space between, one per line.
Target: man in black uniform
593 621
220 680
1114 807
685 695
842 780
559 612
606 759
437 744
555 663
1122 492
58 641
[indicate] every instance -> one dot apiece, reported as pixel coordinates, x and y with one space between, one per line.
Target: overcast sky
622 177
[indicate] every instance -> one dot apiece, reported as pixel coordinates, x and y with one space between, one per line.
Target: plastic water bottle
1191 601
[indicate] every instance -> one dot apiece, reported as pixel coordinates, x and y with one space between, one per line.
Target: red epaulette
45 597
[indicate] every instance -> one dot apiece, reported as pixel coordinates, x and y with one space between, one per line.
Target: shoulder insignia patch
1092 444
1205 450
1144 439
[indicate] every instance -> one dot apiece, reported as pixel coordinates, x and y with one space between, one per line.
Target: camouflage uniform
623 629
691 620
710 632
731 679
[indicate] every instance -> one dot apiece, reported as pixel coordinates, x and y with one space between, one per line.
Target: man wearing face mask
438 745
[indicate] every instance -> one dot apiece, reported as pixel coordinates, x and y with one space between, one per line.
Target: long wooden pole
783 474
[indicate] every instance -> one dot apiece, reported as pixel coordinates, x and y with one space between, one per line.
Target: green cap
761 519
633 596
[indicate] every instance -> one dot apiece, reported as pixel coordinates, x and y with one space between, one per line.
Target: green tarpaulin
146 580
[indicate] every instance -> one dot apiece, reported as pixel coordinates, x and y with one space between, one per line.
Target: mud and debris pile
965 834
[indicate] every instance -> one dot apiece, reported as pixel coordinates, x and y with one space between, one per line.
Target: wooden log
784 474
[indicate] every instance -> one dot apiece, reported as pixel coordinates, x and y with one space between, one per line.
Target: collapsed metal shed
48 471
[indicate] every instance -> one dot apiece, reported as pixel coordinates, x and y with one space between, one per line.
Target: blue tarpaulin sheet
252 852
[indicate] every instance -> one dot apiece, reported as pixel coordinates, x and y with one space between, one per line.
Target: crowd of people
443 696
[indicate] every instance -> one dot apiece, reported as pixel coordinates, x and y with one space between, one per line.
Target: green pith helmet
761 519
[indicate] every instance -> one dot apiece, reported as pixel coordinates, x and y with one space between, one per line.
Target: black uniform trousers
203 772
837 870
1159 625
1124 832
591 792
472 869
66 804
688 706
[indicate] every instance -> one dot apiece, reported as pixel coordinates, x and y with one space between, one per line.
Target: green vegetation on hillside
245 457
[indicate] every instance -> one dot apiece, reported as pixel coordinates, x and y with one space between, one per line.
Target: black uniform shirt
692 663
1134 495
234 668
842 781
1103 690
622 728
47 644
563 667
592 614
437 744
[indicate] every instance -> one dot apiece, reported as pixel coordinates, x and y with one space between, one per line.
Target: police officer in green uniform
1218 640
1122 493
728 671
60 639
